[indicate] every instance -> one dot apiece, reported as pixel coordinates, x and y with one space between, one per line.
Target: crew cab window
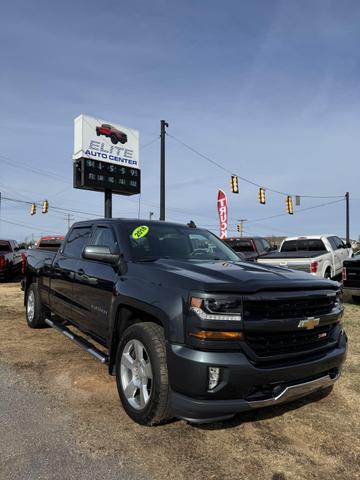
267 246
338 243
76 241
104 237
259 245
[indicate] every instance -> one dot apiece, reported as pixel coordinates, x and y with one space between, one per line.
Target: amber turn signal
214 335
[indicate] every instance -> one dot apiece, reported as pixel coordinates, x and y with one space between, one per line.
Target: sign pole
108 203
163 124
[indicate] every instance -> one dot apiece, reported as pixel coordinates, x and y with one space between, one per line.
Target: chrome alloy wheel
136 374
30 306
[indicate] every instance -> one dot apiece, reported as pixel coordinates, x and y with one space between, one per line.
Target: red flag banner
223 213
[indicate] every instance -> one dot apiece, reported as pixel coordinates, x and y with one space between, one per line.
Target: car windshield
154 241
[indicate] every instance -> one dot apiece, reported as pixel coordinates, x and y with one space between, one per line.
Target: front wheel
114 139
142 375
35 314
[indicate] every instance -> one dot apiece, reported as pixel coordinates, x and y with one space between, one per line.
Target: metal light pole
347 207
163 125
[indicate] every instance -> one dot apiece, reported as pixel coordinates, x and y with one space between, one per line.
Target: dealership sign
223 213
109 142
106 156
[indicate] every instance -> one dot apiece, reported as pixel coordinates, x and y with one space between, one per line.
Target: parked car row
321 255
13 257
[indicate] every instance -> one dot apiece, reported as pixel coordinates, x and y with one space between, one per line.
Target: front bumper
244 386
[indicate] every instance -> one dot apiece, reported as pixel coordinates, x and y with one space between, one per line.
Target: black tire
114 139
328 274
356 298
35 319
156 410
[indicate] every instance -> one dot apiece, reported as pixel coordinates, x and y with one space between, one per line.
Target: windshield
155 241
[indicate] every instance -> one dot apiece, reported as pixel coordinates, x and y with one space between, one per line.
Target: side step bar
81 341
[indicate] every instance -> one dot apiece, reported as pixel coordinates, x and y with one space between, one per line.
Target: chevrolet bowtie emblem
309 323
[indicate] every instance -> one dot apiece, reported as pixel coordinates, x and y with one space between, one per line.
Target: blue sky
269 89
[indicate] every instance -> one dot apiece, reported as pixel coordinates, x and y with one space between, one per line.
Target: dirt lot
318 439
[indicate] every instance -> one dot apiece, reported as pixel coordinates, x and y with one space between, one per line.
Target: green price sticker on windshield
140 232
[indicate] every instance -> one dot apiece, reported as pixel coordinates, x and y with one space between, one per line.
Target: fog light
214 377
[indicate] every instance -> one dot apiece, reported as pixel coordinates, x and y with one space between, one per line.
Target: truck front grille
266 309
266 344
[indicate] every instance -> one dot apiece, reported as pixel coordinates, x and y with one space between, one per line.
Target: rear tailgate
302 264
351 274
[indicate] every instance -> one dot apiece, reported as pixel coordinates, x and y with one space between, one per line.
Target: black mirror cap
348 245
100 254
274 247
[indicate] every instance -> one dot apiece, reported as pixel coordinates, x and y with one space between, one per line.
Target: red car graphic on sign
113 133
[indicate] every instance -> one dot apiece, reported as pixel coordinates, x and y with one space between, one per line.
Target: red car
113 133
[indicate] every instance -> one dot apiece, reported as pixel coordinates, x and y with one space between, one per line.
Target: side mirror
348 245
101 254
274 247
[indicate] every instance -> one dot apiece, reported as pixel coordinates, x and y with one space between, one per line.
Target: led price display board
98 175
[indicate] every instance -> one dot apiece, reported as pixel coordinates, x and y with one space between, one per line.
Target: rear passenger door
63 272
94 286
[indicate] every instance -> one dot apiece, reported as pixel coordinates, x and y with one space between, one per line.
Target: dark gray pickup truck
188 329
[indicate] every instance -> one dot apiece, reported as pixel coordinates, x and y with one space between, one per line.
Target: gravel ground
60 418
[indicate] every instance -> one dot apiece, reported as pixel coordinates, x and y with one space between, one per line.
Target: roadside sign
106 156
223 213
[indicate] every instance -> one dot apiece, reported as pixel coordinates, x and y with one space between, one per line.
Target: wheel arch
126 315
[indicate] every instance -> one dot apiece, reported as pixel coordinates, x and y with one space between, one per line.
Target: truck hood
238 276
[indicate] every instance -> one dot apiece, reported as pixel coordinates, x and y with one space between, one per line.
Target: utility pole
163 125
69 218
347 206
242 220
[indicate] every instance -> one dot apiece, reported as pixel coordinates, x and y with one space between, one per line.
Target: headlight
339 298
217 308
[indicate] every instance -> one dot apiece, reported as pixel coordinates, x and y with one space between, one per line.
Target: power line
210 160
60 209
2 219
299 210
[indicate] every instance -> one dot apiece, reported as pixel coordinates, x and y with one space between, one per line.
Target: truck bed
293 255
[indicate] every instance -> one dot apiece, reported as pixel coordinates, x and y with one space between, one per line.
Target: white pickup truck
321 255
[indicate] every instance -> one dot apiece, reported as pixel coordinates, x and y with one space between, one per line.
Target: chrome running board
80 341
